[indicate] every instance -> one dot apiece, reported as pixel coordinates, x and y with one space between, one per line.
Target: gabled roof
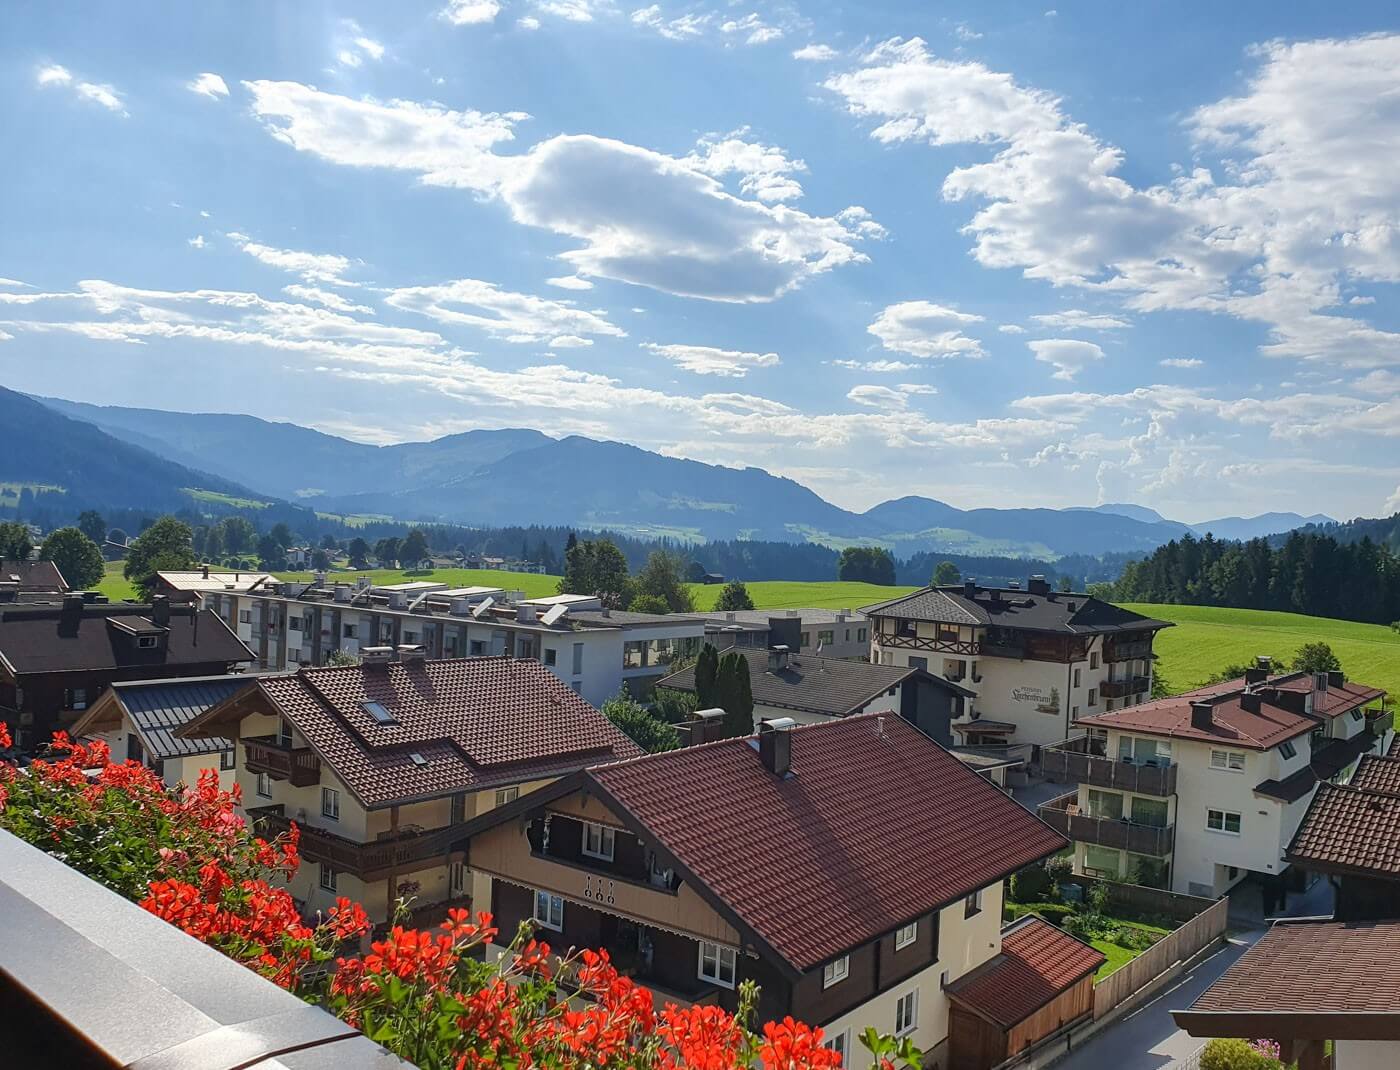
827 686
475 722
1037 963
216 582
1337 698
32 575
875 826
1377 773
42 639
156 708
1232 724
1350 830
1055 612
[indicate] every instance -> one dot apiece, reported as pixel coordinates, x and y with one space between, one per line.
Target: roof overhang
1292 1024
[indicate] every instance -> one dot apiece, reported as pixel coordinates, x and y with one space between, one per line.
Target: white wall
1365 1054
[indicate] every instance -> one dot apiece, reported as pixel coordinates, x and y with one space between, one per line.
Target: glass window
294 624
717 964
1105 804
1356 714
347 631
1076 678
264 787
330 879
1223 821
840 1043
906 935
634 655
146 642
1150 812
1093 659
77 698
826 637
972 905
1093 696
330 803
860 635
598 841
225 759
835 972
1287 749
1227 759
1102 862
505 795
906 1013
245 616
549 911
804 640
578 658
551 656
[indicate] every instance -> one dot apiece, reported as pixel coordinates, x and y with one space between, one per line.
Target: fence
1203 929
1139 899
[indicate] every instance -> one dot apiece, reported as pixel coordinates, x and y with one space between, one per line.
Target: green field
232 501
782 594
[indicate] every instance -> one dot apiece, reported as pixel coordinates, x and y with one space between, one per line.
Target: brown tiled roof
476 722
1233 724
876 826
1062 614
1312 967
1377 773
1336 754
41 639
1336 700
33 575
1394 751
1351 830
1036 964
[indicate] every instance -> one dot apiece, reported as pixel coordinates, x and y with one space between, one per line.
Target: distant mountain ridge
522 476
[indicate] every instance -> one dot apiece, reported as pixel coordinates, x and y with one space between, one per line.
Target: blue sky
998 254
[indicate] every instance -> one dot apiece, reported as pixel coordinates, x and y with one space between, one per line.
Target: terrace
1084 760
1064 816
281 761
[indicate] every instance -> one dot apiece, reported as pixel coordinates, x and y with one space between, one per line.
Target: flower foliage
435 997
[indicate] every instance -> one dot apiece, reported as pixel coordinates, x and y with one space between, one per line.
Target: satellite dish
554 614
483 606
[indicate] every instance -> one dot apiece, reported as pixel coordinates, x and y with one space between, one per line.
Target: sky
999 254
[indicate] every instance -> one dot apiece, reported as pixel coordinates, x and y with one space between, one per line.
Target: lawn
782 594
1118 957
1206 639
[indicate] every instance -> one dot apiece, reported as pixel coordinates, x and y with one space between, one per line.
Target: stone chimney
970 587
775 745
412 654
704 726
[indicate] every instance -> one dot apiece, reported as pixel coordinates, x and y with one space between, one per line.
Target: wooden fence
1199 932
1137 899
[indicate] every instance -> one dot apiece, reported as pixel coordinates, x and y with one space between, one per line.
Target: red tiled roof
870 831
1036 964
1377 773
1336 700
1349 829
1394 751
1233 724
1296 967
475 721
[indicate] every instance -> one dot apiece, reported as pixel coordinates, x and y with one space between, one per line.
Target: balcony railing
368 861
1081 760
1131 685
1063 816
264 754
1128 651
1002 650
1379 722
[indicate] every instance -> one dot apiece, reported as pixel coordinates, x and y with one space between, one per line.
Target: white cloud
1181 362
471 12
570 282
574 10
886 397
370 47
94 92
679 28
313 267
528 22
515 317
707 360
197 242
816 53
767 171
883 366
923 329
1392 504
1011 328
752 29
210 85
1075 319
1068 355
963 32
15 283
329 298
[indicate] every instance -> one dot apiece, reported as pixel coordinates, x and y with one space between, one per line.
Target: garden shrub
1231 1053
1030 884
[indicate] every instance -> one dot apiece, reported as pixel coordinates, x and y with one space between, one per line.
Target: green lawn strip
1117 957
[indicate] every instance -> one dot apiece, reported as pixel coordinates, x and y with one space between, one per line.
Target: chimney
71 615
205 571
160 611
1336 679
1038 585
376 659
969 588
461 607
995 594
731 616
1264 662
320 579
342 592
1255 676
777 658
1251 702
1319 681
1202 717
525 614
412 654
397 600
775 745
1015 585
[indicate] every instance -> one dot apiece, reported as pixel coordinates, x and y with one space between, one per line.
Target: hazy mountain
43 446
1133 512
1256 527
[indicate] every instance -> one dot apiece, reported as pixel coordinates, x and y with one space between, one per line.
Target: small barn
1042 981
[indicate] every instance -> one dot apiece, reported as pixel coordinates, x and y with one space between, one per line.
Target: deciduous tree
734 596
76 556
91 524
164 546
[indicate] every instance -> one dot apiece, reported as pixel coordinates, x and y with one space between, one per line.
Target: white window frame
906 1020
1228 760
328 879
330 803
606 840
505 795
906 935
554 911
972 905
1225 815
840 1043
833 973
77 698
721 959
263 787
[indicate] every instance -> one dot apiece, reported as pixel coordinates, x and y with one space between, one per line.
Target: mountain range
521 476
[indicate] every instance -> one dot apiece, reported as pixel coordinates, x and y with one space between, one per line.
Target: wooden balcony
1129 651
264 754
369 861
1063 816
1003 650
1081 760
1132 685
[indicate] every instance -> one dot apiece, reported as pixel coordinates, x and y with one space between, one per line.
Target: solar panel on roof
554 614
483 607
379 712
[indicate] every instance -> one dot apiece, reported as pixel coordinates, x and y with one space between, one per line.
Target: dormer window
599 841
379 712
836 972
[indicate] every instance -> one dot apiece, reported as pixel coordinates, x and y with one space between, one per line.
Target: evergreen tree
734 694
415 547
213 544
706 675
866 564
734 596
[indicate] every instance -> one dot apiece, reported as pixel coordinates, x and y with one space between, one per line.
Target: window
840 1043
505 795
827 637
1151 812
1287 749
860 635
146 642
477 648
804 640
598 841
77 698
972 905
634 655
551 656
330 803
906 1013
245 616
1073 712
1102 862
1356 714
836 972
1143 751
1105 805
906 935
1093 696
578 658
1093 659
264 787
329 878
1076 679
410 637
549 911
347 631
294 624
225 759
848 635
284 733
1227 759
717 964
1223 821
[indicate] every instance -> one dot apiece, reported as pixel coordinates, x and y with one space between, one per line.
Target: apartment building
830 633
1198 791
853 869
137 719
596 651
56 659
380 763
1036 659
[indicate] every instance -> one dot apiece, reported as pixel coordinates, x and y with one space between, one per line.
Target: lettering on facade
599 890
1045 702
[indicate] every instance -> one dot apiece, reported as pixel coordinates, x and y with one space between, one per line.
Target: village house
830 633
380 763
853 869
1036 659
1199 791
57 659
28 580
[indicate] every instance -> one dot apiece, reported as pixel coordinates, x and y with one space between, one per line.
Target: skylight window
379 712
418 759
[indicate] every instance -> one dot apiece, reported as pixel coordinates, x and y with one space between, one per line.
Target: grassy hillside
782 594
1206 639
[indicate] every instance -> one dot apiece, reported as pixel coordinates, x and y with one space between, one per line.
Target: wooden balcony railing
1131 685
1064 817
264 754
1081 760
1128 651
369 861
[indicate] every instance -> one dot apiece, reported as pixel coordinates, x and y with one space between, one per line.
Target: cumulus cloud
680 28
527 22
209 85
886 397
197 242
514 317
55 75
1011 328
570 282
329 298
313 267
816 53
1075 319
766 171
470 12
1181 362
1069 356
923 329
752 29
707 360
574 10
